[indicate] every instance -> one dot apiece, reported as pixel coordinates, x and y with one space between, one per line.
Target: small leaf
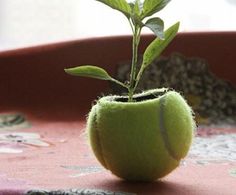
157 26
136 10
136 7
158 45
89 71
120 5
92 72
155 49
150 7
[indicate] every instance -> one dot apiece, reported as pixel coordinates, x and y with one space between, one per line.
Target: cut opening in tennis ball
142 140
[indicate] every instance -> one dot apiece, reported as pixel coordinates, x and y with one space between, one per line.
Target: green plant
138 14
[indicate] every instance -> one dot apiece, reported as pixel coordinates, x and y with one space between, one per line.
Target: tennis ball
142 140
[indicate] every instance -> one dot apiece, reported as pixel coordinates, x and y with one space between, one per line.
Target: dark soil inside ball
141 97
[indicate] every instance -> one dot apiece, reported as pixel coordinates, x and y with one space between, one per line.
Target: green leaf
120 5
136 10
92 72
136 7
150 7
158 45
89 71
157 26
155 49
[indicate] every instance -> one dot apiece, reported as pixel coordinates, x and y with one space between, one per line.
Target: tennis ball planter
139 137
142 140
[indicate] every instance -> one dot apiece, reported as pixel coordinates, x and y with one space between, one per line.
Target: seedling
139 15
139 137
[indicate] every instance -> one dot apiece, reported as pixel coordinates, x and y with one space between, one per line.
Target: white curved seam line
99 139
164 131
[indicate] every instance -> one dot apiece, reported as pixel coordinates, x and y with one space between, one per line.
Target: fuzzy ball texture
143 140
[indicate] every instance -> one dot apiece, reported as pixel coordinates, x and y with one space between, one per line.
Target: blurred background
26 23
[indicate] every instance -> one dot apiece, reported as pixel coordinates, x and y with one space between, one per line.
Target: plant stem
138 78
119 83
136 39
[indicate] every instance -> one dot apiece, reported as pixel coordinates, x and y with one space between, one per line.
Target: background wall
31 22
